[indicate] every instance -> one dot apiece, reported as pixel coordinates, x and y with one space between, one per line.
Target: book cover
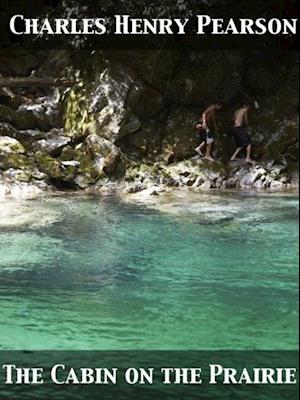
149 199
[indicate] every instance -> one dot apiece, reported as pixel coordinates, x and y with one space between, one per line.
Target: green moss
48 165
77 118
16 161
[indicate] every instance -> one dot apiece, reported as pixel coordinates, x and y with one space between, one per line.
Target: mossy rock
76 117
16 161
17 175
90 167
49 165
67 154
10 145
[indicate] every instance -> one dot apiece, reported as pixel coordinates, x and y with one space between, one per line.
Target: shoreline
24 191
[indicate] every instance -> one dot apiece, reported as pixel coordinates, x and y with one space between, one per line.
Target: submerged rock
16 191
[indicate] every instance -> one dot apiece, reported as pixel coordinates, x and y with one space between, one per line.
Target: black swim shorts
202 135
210 137
241 136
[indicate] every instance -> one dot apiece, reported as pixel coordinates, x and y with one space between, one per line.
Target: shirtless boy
241 134
206 136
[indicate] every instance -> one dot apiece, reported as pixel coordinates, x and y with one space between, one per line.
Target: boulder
17 175
16 161
48 165
70 163
45 111
132 125
206 185
98 146
24 119
251 177
230 183
10 145
277 185
199 181
111 162
102 105
52 146
261 183
7 129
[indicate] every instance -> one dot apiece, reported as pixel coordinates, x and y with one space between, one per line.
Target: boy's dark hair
246 103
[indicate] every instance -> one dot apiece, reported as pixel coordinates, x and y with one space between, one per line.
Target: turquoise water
191 272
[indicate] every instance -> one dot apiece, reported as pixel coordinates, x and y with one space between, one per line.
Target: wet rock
199 181
170 181
251 177
17 175
9 145
152 191
285 179
136 188
26 137
48 165
111 162
138 112
44 110
212 175
277 185
188 181
98 146
20 191
107 156
230 183
219 183
261 184
295 179
23 119
90 169
84 181
70 163
277 170
206 185
52 146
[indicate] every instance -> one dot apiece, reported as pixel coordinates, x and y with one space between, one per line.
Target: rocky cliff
128 120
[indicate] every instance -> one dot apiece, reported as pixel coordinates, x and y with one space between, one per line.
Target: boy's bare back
241 117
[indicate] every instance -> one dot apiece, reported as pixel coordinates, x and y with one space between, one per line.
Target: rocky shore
127 125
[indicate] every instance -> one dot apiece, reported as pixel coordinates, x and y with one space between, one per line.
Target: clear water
196 272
